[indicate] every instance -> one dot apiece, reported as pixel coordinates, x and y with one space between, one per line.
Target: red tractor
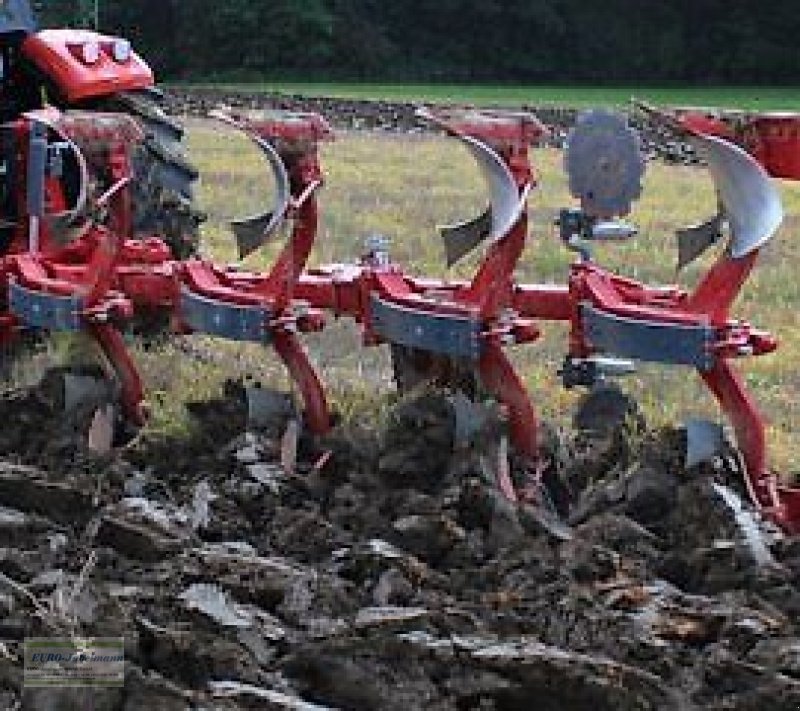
90 197
88 71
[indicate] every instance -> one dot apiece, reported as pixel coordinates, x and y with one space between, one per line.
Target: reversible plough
72 264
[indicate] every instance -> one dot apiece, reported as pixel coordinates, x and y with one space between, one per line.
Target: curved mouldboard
505 205
254 231
749 199
66 226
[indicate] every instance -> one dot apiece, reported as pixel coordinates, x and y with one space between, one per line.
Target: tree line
731 41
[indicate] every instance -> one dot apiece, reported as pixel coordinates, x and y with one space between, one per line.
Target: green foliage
58 13
736 41
202 36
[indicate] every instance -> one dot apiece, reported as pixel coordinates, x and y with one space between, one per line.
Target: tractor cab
16 23
86 71
16 19
65 67
17 92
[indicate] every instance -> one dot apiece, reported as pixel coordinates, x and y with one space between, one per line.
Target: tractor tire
163 187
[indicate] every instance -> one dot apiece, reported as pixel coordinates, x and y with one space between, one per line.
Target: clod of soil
658 141
390 573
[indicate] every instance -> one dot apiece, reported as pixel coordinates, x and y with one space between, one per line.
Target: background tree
469 40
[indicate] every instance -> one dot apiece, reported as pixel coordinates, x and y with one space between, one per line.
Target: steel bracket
451 335
650 341
234 322
45 311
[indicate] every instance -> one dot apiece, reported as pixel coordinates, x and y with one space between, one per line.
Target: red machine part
773 139
708 305
509 134
92 276
486 300
97 137
507 310
295 137
84 65
299 129
101 267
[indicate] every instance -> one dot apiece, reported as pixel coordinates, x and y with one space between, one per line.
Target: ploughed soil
658 140
382 569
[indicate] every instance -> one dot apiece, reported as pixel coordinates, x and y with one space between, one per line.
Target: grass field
403 186
743 97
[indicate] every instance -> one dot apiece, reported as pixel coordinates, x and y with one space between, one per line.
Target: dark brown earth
386 571
658 141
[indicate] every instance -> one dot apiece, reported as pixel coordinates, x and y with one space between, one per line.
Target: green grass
403 186
743 97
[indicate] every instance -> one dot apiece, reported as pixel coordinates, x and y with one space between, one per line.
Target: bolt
301 309
377 250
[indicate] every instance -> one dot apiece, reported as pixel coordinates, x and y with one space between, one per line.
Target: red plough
98 281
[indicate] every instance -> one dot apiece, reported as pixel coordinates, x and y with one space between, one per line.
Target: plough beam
101 278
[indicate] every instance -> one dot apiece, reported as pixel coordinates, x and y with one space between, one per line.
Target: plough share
71 263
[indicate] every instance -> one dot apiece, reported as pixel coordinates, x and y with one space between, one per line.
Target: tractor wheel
163 188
